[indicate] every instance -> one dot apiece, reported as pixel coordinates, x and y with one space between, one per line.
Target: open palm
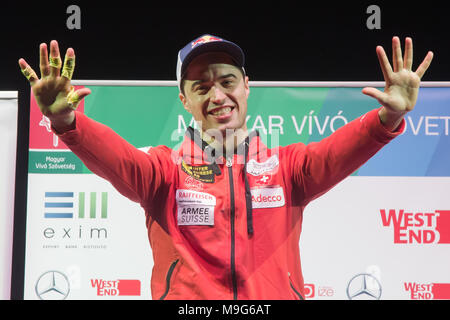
54 93
401 83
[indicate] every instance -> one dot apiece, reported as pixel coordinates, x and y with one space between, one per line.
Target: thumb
375 93
83 93
75 96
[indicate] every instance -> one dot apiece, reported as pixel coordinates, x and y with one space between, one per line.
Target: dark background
134 40
139 40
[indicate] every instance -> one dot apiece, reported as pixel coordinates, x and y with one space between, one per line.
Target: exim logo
68 205
75 219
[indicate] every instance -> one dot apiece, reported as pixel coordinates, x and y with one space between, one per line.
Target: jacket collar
251 146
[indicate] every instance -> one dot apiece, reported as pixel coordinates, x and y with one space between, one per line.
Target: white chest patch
272 197
195 208
258 168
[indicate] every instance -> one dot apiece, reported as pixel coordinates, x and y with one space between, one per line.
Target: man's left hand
402 84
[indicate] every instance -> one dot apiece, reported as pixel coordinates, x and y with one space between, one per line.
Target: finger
55 59
69 64
43 60
375 93
408 58
74 97
425 64
28 72
397 60
84 92
384 63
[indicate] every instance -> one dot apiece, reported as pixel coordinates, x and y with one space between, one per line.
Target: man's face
215 92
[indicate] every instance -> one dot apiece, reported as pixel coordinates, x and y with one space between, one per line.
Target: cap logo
205 39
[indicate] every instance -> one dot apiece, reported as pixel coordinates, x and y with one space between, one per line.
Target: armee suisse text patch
195 208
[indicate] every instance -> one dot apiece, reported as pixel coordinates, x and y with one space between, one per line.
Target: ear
246 86
185 103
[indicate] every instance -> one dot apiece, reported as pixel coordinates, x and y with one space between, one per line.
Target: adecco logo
271 197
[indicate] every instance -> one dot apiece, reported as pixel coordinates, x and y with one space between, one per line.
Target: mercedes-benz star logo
52 285
364 286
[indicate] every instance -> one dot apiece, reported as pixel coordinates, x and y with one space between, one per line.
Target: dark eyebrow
228 75
220 78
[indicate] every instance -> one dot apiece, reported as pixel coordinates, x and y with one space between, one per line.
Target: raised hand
54 93
402 84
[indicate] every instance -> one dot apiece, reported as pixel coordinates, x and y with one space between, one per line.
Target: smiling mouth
221 111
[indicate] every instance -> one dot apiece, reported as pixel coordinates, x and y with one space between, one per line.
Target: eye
228 83
202 89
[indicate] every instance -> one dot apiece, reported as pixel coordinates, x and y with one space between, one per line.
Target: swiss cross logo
265 179
420 227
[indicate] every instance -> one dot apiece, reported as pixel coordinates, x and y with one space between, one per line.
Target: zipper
293 288
168 277
229 164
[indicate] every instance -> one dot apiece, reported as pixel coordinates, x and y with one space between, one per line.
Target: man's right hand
54 93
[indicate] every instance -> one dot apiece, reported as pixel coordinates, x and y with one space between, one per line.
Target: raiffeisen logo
116 287
419 227
428 291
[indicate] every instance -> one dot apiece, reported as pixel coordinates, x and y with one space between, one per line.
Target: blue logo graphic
60 205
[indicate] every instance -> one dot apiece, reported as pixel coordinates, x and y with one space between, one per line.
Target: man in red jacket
224 212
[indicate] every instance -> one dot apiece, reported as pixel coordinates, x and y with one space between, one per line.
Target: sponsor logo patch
203 173
270 197
191 183
264 179
195 208
258 168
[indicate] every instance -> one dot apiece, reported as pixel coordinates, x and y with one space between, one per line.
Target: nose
217 95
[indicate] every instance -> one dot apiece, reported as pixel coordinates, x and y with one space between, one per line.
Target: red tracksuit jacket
226 228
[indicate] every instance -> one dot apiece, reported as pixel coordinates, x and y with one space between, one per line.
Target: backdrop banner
382 233
8 134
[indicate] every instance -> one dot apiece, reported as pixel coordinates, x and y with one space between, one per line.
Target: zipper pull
229 162
216 169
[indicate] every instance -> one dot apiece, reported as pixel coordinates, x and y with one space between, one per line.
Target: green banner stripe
104 205
93 205
81 205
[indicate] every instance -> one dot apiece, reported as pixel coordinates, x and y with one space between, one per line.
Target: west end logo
75 219
418 226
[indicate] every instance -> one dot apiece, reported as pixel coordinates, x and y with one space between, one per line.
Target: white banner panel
382 233
389 228
8 139
87 237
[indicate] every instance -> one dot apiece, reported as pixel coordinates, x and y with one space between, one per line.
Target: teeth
221 111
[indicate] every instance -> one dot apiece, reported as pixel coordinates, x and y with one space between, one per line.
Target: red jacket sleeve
135 174
317 167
